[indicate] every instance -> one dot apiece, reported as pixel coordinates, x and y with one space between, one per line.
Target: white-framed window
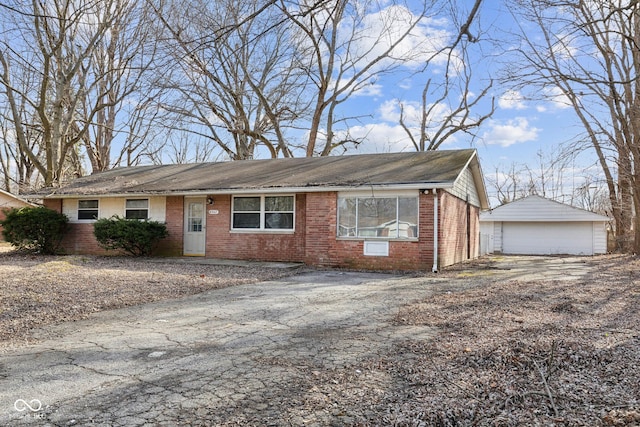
136 209
387 217
88 209
263 212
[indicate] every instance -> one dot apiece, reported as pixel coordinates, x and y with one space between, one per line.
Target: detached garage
538 226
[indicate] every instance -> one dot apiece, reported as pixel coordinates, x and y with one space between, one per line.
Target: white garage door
547 238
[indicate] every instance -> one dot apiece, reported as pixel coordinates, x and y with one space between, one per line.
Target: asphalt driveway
241 354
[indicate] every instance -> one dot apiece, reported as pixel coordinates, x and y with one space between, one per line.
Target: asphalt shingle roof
365 170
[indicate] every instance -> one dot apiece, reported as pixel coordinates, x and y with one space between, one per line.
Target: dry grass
523 353
507 353
39 290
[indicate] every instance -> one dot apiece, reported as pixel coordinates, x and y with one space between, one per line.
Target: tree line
92 84
88 85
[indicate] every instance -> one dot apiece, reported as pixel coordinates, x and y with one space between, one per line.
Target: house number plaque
213 212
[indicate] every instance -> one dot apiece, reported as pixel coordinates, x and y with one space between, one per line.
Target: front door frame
194 242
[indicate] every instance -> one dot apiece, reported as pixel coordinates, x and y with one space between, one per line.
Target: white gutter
272 190
435 231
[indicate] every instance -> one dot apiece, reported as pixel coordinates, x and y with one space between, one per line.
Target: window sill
261 231
382 239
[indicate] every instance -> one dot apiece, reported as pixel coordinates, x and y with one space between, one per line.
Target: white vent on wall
374 248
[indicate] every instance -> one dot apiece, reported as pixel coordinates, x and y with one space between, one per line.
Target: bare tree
505 186
548 177
118 64
54 43
587 56
343 47
448 105
230 74
16 168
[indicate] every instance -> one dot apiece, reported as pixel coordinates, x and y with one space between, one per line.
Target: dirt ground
40 290
545 352
506 352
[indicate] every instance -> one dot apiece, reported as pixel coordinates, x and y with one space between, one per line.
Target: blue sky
520 131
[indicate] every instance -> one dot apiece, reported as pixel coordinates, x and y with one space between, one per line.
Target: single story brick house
370 211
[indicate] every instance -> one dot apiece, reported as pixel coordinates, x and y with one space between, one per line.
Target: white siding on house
110 206
8 201
465 187
497 236
490 237
486 238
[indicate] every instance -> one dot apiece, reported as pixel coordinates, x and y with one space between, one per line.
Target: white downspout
435 231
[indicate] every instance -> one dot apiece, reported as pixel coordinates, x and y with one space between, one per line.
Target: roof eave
270 190
476 171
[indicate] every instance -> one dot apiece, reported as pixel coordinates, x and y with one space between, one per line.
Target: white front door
194 227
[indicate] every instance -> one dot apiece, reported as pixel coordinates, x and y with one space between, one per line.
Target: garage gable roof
539 209
418 170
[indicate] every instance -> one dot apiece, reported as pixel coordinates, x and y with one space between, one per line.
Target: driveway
241 355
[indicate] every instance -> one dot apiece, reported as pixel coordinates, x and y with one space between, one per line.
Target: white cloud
513 131
512 100
557 98
389 111
378 30
370 89
380 138
412 112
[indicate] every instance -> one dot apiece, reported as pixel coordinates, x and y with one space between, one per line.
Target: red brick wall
265 246
314 240
79 238
325 249
458 241
53 204
173 245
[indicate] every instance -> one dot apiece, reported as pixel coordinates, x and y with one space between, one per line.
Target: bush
137 237
34 229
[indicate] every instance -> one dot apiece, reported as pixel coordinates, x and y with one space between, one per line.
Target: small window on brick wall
137 209
87 209
263 212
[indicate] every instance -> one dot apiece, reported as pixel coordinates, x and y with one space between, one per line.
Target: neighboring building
537 226
373 211
9 201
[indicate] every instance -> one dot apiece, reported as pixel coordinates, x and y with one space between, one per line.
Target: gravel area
503 353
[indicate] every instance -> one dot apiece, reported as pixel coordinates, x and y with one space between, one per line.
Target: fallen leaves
39 290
